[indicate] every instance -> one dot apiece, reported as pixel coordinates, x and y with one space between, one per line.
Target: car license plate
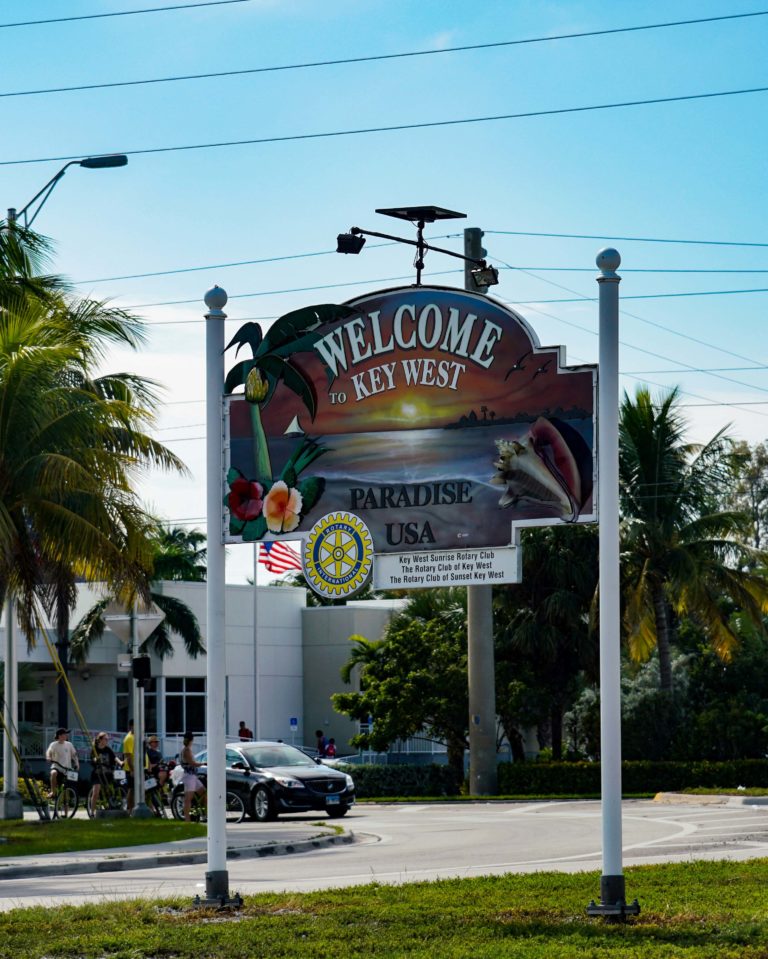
331 800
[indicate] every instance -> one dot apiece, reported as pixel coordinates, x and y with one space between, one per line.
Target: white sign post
612 892
217 876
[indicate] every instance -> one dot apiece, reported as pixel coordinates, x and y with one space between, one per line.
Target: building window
184 704
31 711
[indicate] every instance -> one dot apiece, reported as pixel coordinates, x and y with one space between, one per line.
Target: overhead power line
313 64
634 316
657 296
120 13
628 239
399 127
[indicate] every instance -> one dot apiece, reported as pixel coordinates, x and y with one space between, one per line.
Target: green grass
73 835
689 911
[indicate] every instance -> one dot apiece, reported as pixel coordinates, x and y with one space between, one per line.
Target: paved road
404 843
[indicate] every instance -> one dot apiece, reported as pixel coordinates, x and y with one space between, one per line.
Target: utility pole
480 657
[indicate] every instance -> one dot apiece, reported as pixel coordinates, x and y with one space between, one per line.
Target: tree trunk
556 722
456 749
664 635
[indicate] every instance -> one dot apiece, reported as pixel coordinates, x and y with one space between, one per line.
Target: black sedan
273 778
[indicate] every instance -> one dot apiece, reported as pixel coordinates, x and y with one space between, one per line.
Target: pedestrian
192 783
244 732
128 747
330 749
322 743
62 756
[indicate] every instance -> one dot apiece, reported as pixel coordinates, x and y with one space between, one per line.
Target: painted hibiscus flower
245 499
282 508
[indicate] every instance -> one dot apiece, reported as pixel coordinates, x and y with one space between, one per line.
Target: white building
280 676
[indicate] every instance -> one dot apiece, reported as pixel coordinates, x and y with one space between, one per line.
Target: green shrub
637 776
24 792
433 780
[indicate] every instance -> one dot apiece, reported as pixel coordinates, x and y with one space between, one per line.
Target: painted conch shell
542 468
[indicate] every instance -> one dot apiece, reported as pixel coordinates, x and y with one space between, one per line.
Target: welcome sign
432 414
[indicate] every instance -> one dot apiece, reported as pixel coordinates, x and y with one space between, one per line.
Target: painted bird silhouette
542 369
518 365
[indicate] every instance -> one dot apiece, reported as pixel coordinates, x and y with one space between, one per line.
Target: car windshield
277 755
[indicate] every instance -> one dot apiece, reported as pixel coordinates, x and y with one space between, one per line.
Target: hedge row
399 780
637 777
566 779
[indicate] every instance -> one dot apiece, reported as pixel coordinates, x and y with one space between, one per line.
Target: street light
90 163
483 275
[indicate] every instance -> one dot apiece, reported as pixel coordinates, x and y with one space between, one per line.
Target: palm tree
22 255
543 632
179 618
70 443
683 554
179 554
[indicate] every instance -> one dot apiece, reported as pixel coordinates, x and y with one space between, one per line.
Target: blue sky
689 170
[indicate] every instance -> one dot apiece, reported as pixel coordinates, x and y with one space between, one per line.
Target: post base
11 805
217 892
141 811
613 904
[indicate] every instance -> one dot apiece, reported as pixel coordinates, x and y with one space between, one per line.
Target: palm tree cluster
692 516
685 553
72 443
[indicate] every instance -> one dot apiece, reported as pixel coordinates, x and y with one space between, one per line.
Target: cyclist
192 784
62 755
105 762
157 765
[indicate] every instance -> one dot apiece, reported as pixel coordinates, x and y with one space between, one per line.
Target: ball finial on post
215 299
608 260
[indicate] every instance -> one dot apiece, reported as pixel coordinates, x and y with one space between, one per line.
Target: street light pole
481 679
11 667
89 163
11 806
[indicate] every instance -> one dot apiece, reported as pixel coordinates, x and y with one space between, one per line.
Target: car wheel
263 805
336 812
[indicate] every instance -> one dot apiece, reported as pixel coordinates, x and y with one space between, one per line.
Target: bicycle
234 807
65 799
112 794
156 796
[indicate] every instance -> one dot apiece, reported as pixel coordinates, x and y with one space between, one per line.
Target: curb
709 799
124 862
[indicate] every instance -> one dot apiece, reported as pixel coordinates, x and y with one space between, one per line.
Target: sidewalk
245 840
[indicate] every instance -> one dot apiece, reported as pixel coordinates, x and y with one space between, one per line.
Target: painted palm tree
682 553
263 502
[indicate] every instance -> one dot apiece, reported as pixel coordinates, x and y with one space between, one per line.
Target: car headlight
350 781
288 782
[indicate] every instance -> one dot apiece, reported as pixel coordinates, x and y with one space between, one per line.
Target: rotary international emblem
338 555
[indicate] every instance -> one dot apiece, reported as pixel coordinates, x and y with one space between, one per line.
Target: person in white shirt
62 755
